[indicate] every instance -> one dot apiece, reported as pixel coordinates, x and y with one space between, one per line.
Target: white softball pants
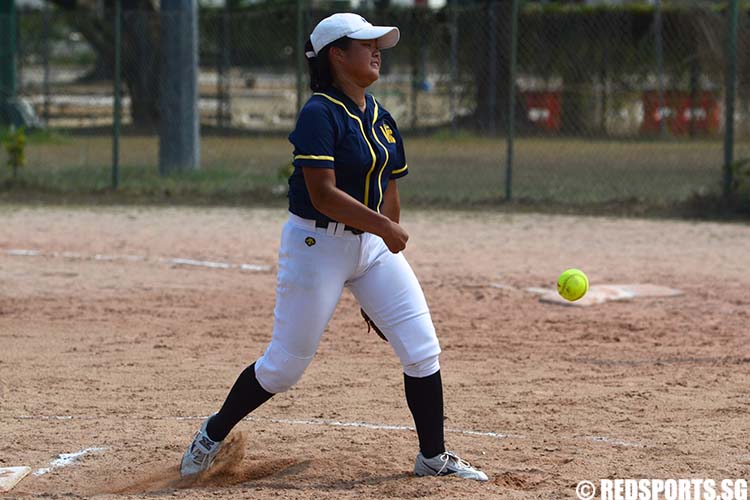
315 264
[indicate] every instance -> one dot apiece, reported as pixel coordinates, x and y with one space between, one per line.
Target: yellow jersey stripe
380 174
313 157
364 136
403 169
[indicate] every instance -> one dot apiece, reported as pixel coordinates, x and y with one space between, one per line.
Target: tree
140 48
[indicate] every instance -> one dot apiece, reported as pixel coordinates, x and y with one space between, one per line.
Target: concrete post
179 124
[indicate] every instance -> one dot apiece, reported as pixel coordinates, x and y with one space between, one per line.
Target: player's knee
276 379
423 368
277 371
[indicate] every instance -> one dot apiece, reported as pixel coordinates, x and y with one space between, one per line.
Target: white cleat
200 454
447 464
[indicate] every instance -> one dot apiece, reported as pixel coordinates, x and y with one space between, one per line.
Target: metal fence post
453 30
694 82
658 34
47 21
300 50
20 48
512 99
414 62
222 67
492 97
7 50
731 79
117 97
226 63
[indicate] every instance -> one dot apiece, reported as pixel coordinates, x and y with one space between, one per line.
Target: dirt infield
107 343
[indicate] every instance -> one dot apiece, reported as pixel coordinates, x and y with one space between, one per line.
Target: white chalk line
65 459
382 427
616 442
363 425
177 261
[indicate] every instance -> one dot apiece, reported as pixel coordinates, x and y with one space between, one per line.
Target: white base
600 294
10 476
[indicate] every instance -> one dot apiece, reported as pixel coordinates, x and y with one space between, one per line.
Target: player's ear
336 53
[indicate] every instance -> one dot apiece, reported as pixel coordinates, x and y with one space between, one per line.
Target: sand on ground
104 343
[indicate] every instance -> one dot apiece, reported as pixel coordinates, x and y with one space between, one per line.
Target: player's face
361 61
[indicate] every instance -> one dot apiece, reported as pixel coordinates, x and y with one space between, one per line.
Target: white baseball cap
353 26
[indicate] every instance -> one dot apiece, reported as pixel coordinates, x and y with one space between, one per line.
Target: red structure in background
678 113
543 109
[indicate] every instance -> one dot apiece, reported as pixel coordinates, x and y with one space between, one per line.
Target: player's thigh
309 284
310 280
391 295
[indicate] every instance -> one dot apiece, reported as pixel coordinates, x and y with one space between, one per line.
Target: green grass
37 137
563 171
445 171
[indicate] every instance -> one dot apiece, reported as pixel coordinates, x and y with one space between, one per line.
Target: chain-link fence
633 95
613 103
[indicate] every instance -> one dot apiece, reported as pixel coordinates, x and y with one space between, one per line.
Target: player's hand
395 238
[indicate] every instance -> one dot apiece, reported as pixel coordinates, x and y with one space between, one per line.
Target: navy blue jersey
364 149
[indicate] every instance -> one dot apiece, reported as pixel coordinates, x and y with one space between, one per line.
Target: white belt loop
331 229
340 229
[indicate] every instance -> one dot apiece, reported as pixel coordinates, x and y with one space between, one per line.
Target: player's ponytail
317 75
321 74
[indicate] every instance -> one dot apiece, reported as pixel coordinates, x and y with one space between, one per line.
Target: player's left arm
391 206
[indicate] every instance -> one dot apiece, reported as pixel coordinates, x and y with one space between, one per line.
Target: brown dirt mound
228 469
120 353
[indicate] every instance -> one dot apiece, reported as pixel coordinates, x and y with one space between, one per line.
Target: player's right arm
391 206
341 207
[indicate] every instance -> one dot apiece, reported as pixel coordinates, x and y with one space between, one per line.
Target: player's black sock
425 399
245 396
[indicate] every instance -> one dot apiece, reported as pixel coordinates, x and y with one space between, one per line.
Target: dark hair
321 76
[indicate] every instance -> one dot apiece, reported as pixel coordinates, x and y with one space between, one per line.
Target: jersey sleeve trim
395 174
314 157
400 170
312 161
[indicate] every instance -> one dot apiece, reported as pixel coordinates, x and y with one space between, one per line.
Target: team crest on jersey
388 133
309 241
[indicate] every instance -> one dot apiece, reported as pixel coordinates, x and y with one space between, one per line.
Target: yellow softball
572 284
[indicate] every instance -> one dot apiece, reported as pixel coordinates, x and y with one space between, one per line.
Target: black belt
322 223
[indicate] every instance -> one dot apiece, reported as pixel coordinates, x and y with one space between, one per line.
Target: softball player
343 231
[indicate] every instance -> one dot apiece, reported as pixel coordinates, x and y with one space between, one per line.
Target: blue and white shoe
447 464
200 454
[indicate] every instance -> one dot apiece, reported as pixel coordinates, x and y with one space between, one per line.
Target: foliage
15 146
563 38
65 45
285 171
